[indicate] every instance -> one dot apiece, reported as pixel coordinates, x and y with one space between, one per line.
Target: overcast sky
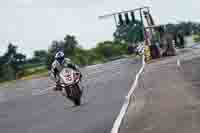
33 24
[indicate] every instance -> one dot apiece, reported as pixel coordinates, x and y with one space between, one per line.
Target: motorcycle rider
59 63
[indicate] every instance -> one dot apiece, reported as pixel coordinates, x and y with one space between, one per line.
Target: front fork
73 91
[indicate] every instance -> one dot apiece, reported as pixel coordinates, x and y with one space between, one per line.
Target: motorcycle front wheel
77 102
77 99
74 94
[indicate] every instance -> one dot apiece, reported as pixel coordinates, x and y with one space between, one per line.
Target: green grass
41 71
33 72
35 75
29 76
36 68
8 82
27 66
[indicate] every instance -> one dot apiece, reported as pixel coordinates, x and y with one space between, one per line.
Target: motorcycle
69 83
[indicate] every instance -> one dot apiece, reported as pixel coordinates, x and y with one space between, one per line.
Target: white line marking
178 62
93 66
41 92
124 108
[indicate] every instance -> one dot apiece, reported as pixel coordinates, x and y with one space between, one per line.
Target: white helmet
60 56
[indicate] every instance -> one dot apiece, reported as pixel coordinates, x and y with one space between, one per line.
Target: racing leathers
57 68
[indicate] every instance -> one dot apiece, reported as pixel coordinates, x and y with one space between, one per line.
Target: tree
14 59
7 73
109 49
40 56
185 28
68 46
195 28
12 50
40 53
171 28
20 58
130 33
54 47
11 63
70 43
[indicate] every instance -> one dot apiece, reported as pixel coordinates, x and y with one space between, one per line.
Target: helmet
60 56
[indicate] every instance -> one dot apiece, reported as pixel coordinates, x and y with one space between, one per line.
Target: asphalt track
167 97
32 107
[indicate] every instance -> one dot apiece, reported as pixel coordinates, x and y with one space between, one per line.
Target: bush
100 54
111 49
197 38
31 71
86 57
7 73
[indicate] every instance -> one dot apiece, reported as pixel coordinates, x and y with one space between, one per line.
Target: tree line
13 65
132 33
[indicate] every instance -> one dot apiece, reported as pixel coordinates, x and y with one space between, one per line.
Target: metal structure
123 12
118 15
150 27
